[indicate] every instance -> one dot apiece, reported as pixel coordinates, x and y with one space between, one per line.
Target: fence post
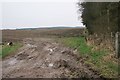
117 40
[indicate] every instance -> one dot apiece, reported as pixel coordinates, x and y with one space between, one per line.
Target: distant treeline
57 27
100 17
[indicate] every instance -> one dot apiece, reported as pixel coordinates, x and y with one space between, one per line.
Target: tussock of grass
79 43
106 68
6 50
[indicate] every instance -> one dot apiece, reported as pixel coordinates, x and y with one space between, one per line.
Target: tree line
100 17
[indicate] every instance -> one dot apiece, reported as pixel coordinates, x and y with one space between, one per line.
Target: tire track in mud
44 58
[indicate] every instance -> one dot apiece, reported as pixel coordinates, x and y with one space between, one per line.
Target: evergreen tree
100 17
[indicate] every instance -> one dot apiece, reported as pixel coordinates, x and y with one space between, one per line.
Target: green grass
77 42
6 50
106 68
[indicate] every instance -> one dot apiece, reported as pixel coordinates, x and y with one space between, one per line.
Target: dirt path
44 58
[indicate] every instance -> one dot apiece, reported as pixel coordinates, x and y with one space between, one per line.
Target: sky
39 13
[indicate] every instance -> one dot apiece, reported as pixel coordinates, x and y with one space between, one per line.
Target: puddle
13 61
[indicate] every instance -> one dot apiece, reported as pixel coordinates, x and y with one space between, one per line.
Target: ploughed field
19 35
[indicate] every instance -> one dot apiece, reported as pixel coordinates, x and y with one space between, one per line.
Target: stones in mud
22 56
51 50
66 52
61 63
30 57
75 51
21 76
50 65
30 45
63 52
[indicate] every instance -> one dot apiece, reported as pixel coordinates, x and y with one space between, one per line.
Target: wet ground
45 58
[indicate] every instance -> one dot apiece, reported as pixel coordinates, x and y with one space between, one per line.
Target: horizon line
42 27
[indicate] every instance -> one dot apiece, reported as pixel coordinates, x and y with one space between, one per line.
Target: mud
45 58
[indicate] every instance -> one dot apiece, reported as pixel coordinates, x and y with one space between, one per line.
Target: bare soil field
19 35
43 57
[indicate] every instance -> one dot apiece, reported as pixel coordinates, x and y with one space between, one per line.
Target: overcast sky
34 13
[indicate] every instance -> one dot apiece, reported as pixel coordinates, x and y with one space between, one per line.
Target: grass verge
106 68
6 50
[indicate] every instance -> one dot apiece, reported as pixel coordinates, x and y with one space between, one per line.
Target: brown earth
19 35
43 57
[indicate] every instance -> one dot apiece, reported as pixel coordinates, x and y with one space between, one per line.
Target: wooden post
117 40
108 20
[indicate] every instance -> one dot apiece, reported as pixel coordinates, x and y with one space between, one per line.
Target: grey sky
16 14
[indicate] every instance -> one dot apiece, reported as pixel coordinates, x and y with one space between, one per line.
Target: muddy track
44 58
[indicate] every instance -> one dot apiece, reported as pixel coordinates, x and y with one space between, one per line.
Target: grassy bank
106 67
6 50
